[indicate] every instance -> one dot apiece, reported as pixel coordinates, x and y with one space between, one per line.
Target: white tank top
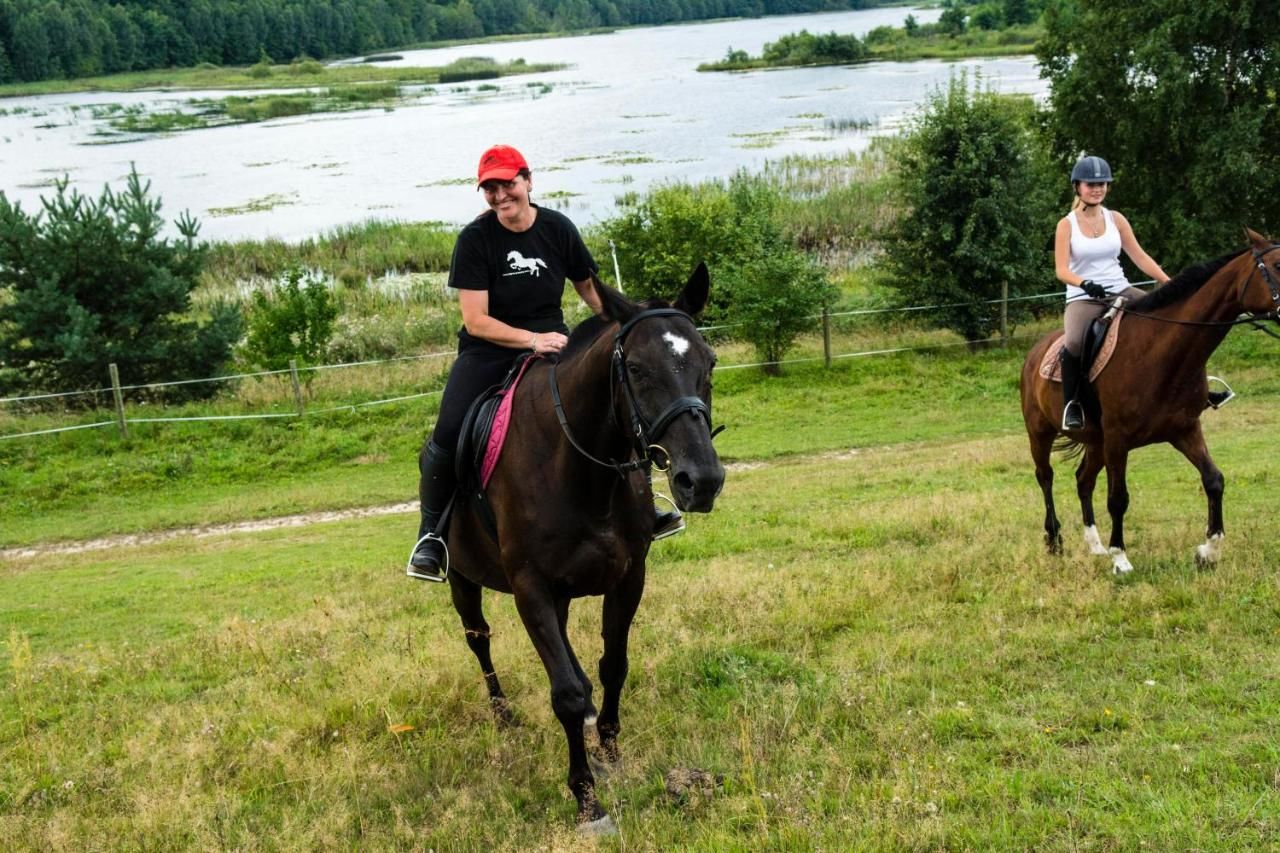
1096 258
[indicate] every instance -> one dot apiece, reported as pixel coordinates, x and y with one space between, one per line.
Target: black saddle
473 442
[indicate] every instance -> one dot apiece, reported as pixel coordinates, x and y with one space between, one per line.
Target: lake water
629 111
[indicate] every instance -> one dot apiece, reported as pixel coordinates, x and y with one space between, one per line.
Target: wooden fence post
297 388
1004 313
119 399
826 336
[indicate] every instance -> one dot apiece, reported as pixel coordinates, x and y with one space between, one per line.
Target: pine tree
95 282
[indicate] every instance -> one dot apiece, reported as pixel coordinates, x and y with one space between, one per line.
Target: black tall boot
1072 411
436 484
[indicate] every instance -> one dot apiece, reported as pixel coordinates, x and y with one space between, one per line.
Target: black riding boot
1072 411
665 522
435 487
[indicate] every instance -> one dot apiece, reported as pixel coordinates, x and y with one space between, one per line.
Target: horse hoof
1120 564
599 827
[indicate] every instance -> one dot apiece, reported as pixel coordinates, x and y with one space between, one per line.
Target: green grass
871 648
89 483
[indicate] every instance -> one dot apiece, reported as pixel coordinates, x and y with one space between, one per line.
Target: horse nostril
683 481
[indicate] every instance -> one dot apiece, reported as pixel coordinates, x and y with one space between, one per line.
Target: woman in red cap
509 267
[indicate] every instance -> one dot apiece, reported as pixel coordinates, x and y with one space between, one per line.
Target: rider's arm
479 324
1062 254
588 293
1140 258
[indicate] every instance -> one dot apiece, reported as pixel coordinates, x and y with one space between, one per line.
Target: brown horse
573 504
1152 390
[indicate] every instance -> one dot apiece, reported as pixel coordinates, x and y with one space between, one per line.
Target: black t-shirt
524 271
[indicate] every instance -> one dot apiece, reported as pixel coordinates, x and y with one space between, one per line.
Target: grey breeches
1078 316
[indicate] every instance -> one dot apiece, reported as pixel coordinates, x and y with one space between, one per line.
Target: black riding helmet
1092 169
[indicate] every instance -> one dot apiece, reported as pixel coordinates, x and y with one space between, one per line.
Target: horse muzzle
696 485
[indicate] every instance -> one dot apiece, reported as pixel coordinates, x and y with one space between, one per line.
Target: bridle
645 433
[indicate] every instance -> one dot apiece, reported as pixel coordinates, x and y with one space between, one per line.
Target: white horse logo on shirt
520 264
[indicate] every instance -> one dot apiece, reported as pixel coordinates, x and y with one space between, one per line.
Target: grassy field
865 640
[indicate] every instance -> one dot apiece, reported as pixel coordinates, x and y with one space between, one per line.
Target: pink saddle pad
498 431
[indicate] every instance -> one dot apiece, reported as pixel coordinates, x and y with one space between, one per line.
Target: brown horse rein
1254 320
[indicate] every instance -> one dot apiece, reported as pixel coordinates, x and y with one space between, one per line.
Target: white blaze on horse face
1093 540
679 346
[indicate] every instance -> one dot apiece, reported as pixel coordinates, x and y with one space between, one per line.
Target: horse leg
1117 459
1193 447
539 611
620 605
1041 453
562 614
1086 479
467 601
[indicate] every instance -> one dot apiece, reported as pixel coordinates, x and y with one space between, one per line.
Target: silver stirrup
673 531
1066 409
1231 395
412 571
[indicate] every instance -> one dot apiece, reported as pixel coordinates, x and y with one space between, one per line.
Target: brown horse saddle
1099 344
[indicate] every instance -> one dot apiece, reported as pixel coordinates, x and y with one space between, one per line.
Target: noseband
645 433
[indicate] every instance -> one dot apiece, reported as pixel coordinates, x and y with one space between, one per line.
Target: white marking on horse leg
1120 564
599 827
1094 541
678 345
1210 550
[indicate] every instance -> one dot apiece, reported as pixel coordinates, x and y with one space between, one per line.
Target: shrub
977 208
759 281
294 320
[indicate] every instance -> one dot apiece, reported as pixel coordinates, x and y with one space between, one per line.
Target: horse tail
1067 446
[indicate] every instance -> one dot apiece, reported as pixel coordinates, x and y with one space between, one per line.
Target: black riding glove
1092 290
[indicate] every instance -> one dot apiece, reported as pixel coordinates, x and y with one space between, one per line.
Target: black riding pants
474 371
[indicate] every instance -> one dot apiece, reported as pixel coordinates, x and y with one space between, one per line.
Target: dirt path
131 540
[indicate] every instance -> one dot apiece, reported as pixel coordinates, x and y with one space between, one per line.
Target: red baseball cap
500 163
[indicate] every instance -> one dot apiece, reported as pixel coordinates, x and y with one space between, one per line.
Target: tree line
53 39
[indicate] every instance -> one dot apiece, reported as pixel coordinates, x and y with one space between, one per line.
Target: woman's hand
544 343
1092 290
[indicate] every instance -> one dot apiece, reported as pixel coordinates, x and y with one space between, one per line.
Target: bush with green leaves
94 282
292 321
761 284
979 206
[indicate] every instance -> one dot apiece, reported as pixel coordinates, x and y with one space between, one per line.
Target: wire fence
122 420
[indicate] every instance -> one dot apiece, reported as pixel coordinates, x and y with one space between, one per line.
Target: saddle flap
1099 345
485 428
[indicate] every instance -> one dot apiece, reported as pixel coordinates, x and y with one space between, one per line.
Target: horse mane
585 333
1183 284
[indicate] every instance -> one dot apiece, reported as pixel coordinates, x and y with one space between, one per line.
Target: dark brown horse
1153 390
573 504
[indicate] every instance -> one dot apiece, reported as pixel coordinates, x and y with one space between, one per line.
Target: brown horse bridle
646 433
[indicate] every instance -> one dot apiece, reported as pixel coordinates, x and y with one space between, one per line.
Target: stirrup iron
674 530
414 572
1067 408
1231 395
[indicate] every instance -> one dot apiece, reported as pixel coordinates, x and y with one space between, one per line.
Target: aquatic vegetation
257 205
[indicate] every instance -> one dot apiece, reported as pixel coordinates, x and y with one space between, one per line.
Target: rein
644 432
1254 319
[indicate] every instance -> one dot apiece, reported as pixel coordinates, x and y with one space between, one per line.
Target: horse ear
694 296
614 306
1259 242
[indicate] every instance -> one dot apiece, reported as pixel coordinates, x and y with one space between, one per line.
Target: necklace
1093 229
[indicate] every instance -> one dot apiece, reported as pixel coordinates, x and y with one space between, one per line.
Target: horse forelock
1183 284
